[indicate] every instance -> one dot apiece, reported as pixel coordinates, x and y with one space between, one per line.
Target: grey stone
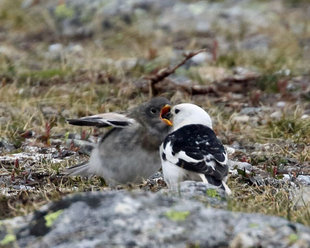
6 146
241 118
85 146
250 111
301 196
239 165
142 219
305 179
276 115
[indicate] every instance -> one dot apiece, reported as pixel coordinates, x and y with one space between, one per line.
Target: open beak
165 114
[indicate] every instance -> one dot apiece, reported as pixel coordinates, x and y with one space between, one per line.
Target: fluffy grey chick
128 153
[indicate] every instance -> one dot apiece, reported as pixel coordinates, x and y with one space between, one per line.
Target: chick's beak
165 114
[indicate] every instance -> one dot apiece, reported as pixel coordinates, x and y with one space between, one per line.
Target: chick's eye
153 110
177 111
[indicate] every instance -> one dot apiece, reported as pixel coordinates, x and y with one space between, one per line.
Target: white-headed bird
191 151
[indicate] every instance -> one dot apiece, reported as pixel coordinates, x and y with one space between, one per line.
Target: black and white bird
191 151
128 153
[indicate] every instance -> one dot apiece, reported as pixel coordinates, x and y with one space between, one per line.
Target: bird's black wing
103 120
196 148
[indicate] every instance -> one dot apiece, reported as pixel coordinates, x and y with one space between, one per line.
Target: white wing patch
208 159
104 120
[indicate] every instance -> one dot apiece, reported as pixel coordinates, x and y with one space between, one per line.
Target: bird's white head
187 114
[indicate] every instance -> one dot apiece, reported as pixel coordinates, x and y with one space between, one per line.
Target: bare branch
165 72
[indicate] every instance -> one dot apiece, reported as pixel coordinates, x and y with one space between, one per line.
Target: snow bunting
128 153
191 151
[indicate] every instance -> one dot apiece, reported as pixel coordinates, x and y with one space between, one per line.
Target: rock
240 165
251 111
276 115
304 179
77 18
211 194
55 48
49 111
6 146
143 219
74 48
301 197
281 104
55 51
241 118
259 43
230 150
85 146
201 58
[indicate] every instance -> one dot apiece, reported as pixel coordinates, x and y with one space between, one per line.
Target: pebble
241 118
301 197
55 48
240 165
281 104
305 179
276 115
250 111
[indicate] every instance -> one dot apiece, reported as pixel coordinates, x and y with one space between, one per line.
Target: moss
177 215
63 11
293 238
51 217
212 193
253 225
9 238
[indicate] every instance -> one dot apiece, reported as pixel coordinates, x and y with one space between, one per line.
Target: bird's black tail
78 170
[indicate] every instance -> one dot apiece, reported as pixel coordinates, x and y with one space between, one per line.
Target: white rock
241 118
242 240
301 197
240 165
75 48
281 104
201 58
304 179
55 48
230 150
276 115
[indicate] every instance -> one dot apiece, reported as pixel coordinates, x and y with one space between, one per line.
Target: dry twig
165 72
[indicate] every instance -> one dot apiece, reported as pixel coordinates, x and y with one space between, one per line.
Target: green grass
293 128
266 200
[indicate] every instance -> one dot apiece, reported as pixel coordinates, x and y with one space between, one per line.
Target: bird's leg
227 189
203 178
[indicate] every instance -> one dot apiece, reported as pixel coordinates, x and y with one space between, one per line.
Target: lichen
9 238
177 215
63 11
293 238
212 193
50 218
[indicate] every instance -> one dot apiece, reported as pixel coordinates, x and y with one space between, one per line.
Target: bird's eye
153 110
177 111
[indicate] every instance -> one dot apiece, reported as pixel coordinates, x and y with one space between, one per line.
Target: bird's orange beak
164 114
